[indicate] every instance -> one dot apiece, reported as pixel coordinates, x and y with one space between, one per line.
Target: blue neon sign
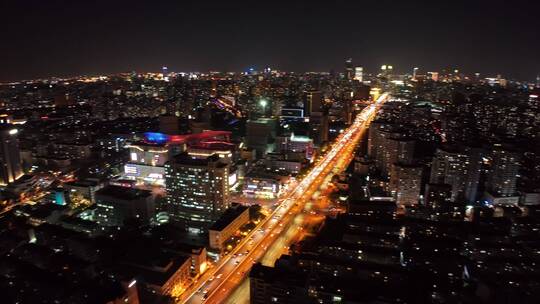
156 137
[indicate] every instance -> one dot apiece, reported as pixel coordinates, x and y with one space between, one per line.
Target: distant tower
414 73
386 70
349 70
313 101
538 81
359 73
10 160
165 72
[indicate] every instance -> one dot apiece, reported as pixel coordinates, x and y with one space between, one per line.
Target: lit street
268 241
265 152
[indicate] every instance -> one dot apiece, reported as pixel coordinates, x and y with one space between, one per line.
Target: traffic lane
325 163
245 264
224 266
339 162
242 270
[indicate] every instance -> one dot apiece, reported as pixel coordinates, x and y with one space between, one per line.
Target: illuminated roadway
217 283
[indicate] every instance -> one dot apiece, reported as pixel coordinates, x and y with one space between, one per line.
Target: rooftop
123 193
228 217
83 183
186 159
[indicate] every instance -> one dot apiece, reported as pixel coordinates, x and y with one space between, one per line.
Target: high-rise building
460 168
10 159
359 73
197 190
117 204
383 154
260 135
405 183
373 138
165 72
349 69
504 172
318 122
437 195
396 150
313 101
318 116
387 147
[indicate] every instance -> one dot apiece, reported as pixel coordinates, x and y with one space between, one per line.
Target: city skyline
269 152
62 39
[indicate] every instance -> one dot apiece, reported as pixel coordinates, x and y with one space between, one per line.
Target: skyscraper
319 127
359 73
415 70
381 155
396 150
165 72
318 116
197 190
460 168
373 138
504 172
10 160
313 101
260 135
405 183
387 147
349 69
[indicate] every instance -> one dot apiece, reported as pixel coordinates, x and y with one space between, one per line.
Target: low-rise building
262 184
116 204
227 225
84 188
289 162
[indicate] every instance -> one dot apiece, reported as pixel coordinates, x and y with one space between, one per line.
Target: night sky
43 38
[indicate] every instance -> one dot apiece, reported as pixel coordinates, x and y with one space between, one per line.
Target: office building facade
460 168
117 204
504 172
197 190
